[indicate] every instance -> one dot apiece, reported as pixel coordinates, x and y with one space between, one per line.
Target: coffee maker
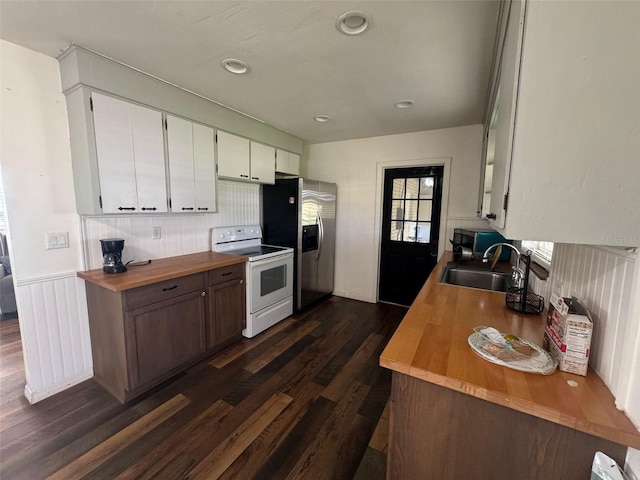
112 255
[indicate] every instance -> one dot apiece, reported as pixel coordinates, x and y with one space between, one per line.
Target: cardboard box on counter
567 335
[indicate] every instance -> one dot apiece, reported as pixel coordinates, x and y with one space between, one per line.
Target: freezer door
327 193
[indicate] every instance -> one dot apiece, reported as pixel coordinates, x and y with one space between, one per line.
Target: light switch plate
57 240
157 233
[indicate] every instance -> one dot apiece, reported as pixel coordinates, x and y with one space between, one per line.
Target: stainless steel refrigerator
301 213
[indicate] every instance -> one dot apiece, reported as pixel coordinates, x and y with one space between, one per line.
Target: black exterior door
410 230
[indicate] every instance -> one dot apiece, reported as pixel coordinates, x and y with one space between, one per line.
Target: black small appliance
112 255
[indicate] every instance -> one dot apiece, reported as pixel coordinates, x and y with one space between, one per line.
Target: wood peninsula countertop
160 270
431 345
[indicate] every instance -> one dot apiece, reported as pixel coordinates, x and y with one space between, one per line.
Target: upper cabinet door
504 114
148 147
263 163
130 151
287 162
233 156
181 171
114 148
204 163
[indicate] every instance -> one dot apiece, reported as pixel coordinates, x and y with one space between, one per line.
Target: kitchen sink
473 278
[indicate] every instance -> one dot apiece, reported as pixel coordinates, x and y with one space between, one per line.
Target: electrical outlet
157 233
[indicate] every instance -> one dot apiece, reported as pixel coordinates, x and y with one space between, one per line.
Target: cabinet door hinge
505 201
100 200
91 103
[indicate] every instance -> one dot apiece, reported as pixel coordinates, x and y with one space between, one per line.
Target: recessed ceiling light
322 118
404 104
235 66
353 22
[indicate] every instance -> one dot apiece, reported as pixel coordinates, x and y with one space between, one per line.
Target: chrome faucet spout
518 273
486 252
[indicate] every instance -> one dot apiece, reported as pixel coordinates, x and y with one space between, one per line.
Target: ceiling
436 53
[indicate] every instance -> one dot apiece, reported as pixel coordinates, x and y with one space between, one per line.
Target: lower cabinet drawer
157 292
220 275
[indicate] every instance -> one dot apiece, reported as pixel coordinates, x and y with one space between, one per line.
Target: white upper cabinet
567 109
233 156
287 162
263 163
243 159
130 153
191 156
204 166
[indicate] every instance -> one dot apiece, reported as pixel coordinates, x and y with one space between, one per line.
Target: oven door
271 280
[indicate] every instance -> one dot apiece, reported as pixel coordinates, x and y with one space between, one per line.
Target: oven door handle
320 234
266 261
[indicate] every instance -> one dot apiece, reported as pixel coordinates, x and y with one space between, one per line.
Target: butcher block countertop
431 344
160 270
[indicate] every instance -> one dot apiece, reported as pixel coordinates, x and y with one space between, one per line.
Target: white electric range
269 275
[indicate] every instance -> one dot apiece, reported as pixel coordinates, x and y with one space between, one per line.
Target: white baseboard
35 397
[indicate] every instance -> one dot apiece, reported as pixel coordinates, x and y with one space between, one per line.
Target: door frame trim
419 162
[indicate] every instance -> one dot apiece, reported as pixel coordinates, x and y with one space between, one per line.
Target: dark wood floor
306 399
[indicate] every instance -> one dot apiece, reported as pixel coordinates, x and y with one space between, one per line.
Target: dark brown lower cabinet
227 311
163 335
143 336
436 432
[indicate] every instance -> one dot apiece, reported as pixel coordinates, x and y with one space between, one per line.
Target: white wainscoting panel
463 222
601 278
55 332
238 204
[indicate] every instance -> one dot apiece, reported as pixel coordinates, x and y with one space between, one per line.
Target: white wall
36 163
353 166
36 168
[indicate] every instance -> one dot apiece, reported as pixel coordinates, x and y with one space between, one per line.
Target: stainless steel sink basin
482 279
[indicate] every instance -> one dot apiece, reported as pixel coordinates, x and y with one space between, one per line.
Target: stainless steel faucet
518 274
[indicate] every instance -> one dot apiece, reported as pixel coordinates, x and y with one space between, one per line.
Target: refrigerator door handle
320 236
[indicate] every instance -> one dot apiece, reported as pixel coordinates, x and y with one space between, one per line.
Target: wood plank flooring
304 400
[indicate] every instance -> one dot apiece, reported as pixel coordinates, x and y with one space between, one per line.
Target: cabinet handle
187 208
491 216
203 208
166 289
255 178
241 281
148 208
226 274
203 294
126 208
244 176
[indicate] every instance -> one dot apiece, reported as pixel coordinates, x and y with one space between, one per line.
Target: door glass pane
409 233
396 231
273 279
424 214
398 188
424 232
413 187
426 187
411 210
397 210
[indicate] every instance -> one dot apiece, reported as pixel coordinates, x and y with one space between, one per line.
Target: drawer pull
127 208
203 208
166 289
244 176
153 209
187 208
226 274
